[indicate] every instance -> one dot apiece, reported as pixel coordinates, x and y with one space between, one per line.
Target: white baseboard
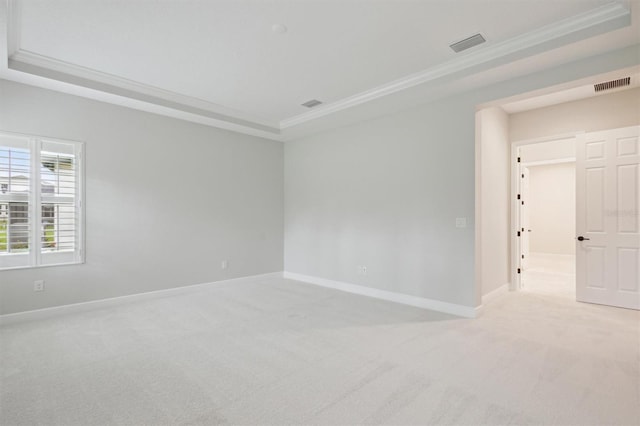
494 294
405 299
45 313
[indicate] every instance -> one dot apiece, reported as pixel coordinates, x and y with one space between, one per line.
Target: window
41 211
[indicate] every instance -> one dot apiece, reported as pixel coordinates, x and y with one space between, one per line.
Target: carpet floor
278 352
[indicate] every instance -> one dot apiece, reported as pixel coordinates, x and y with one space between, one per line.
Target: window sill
14 268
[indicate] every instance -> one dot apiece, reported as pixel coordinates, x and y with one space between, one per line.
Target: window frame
35 200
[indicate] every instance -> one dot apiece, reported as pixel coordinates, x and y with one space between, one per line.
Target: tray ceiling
222 63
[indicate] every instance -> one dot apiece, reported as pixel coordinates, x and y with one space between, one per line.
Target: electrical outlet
364 270
461 222
224 264
38 285
361 270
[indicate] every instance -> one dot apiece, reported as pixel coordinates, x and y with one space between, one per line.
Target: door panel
595 199
596 266
628 146
607 216
628 199
595 150
628 261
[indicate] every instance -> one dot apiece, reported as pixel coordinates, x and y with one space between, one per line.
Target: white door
608 218
521 210
525 209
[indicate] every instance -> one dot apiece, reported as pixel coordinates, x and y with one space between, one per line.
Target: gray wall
385 193
166 200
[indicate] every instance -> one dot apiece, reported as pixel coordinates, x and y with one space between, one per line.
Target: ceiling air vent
467 43
312 103
613 84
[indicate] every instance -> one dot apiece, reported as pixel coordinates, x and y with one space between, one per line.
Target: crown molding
587 20
24 60
27 67
31 68
127 102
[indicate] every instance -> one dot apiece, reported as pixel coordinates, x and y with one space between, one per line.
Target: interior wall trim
113 302
405 299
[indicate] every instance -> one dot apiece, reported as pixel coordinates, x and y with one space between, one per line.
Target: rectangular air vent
613 84
312 103
467 43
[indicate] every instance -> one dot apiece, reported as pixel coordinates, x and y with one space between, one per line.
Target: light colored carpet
551 275
281 352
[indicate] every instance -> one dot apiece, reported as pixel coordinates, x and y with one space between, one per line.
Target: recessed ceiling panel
227 53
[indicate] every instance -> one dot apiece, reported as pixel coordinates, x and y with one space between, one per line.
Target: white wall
492 220
559 149
385 193
552 208
166 200
610 111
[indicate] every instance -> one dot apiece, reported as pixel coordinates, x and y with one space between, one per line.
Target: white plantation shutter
59 202
45 213
15 202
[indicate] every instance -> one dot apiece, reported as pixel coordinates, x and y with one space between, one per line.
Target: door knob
581 238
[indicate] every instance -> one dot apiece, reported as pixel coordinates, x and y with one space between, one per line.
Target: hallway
551 275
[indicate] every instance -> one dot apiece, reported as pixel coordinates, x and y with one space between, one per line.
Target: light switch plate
461 222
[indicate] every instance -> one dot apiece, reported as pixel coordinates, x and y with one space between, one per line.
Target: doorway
606 235
544 204
595 178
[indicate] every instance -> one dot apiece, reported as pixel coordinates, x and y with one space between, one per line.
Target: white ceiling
221 61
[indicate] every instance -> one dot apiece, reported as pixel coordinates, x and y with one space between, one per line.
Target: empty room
319 212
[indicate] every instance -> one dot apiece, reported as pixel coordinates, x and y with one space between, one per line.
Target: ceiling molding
608 12
32 68
24 66
37 64
127 102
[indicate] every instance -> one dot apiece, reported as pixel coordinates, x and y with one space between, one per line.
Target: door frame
515 246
